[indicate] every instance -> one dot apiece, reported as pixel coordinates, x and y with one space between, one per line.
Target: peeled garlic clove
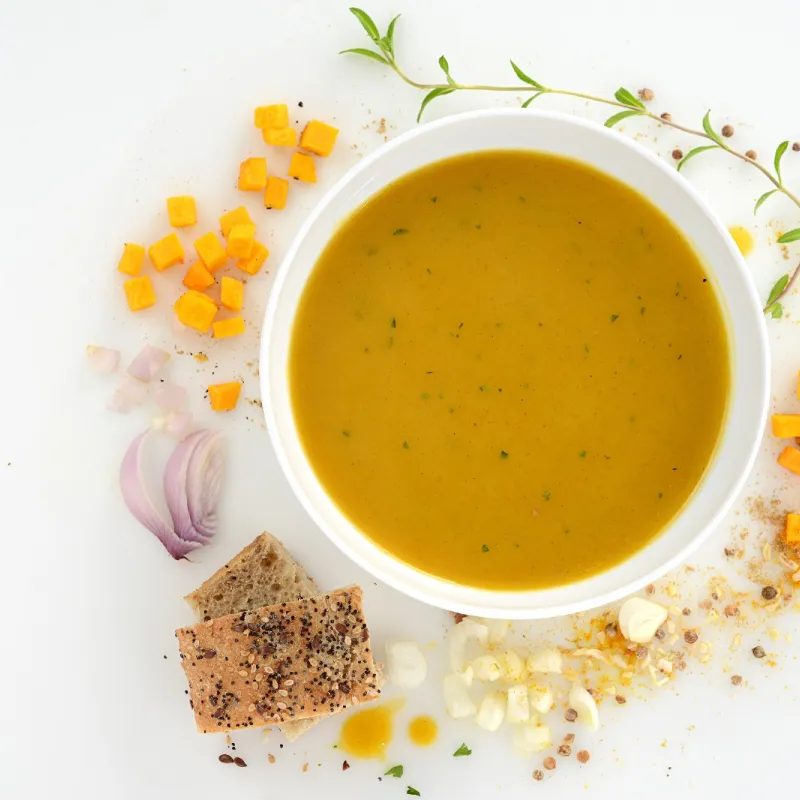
581 701
491 712
639 619
513 667
487 668
498 628
531 737
456 697
459 635
517 708
541 699
406 664
547 660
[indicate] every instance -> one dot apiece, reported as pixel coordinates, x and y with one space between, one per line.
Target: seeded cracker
284 662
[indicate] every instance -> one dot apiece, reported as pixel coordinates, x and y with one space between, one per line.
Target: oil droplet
367 733
743 239
423 731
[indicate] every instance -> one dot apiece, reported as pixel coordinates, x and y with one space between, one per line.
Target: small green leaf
780 150
446 69
366 22
778 289
628 98
613 120
614 317
775 310
462 751
789 236
526 78
390 34
531 99
360 51
432 95
582 454
503 454
346 433
400 231
394 322
395 772
710 132
546 495
761 200
484 548
405 447
696 152
412 790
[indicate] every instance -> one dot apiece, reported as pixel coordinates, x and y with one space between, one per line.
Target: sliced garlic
406 664
498 628
531 737
581 701
547 660
467 630
487 668
541 699
456 697
517 709
491 712
513 667
639 619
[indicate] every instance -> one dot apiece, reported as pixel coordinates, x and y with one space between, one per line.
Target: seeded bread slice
279 663
263 574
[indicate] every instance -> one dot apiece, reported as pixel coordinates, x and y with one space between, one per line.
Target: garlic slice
546 660
541 699
518 709
459 636
456 697
513 667
487 668
581 701
639 619
531 737
498 628
492 711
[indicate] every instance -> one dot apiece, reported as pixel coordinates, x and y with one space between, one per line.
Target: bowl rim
760 381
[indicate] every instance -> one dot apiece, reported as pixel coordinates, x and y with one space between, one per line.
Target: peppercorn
549 763
646 94
570 715
769 592
727 131
538 775
751 154
690 637
666 116
677 154
564 750
583 756
758 651
736 680
796 146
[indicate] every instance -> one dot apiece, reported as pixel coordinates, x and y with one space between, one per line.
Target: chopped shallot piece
148 363
178 425
129 393
171 398
102 359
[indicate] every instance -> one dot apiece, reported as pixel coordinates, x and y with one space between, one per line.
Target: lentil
769 592
240 762
666 116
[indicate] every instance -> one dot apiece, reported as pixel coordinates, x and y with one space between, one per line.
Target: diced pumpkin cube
790 459
318 138
236 217
253 174
166 252
280 137
276 192
198 277
228 327
275 116
139 293
302 168
132 259
211 251
793 528
231 294
224 396
182 211
258 255
196 310
240 240
786 426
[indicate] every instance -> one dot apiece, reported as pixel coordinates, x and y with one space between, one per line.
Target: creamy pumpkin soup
509 370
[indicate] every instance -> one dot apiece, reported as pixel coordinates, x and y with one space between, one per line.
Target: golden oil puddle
367 733
743 239
423 731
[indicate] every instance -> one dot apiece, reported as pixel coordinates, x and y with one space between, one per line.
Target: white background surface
107 109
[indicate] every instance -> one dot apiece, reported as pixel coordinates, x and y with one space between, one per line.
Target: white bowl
626 161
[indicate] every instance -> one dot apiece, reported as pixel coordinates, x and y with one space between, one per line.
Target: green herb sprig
627 104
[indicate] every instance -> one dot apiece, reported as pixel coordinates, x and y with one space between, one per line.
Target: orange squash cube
182 211
318 138
793 528
231 294
275 116
132 259
196 310
224 396
786 426
198 277
276 192
302 168
238 216
211 251
228 327
258 255
240 240
166 252
790 459
280 137
139 293
253 174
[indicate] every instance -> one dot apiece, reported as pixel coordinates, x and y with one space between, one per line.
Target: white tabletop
109 108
